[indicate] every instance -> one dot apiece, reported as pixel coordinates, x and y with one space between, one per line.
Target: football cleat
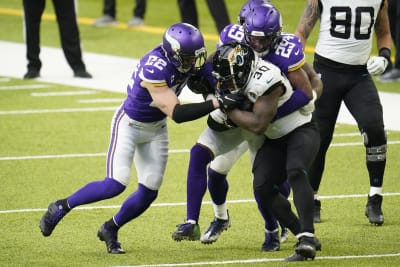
187 231
215 229
55 212
110 237
317 211
373 210
271 242
305 249
32 74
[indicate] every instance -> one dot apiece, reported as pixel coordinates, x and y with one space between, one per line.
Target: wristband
385 52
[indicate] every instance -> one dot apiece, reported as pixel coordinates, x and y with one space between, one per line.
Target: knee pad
375 141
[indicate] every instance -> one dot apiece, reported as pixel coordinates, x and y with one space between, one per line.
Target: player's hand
310 106
377 65
230 101
199 85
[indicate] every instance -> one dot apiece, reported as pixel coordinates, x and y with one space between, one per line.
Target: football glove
310 106
230 101
198 84
377 65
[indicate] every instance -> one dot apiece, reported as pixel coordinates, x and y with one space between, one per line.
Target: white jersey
346 29
265 77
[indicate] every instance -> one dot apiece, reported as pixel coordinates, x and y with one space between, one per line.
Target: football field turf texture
54 138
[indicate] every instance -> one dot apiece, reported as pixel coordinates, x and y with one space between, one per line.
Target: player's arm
167 101
313 77
376 65
307 21
263 112
382 29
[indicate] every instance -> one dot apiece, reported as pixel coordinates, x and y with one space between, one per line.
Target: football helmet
233 64
247 7
262 29
184 46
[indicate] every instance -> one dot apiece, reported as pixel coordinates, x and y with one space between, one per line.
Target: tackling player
222 144
139 132
288 146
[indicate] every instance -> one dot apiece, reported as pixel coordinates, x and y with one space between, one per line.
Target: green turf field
46 153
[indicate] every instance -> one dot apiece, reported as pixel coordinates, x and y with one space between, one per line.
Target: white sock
375 191
221 211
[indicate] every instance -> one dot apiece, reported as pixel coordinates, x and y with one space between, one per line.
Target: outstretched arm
167 101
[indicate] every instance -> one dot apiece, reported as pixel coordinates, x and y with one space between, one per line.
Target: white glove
310 106
219 116
377 65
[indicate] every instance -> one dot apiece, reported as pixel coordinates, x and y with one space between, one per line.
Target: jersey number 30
341 19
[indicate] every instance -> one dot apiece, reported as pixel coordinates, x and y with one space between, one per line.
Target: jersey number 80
363 15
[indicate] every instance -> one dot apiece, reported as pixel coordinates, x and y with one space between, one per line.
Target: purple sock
200 157
135 205
270 222
95 191
217 186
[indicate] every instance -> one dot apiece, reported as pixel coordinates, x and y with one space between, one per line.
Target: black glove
230 101
198 84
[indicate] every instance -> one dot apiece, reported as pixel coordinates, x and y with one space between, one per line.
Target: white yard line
259 260
63 93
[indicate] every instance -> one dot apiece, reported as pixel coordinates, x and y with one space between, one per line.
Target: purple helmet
184 46
233 63
248 6
262 29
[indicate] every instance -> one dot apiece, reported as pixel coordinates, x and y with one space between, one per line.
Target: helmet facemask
233 64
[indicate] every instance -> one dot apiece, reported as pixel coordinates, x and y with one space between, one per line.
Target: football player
289 143
342 56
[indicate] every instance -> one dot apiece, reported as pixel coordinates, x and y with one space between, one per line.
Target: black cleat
373 210
32 74
55 212
305 249
317 211
187 231
82 74
271 242
110 237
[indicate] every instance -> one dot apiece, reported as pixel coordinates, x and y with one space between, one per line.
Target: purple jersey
288 56
154 68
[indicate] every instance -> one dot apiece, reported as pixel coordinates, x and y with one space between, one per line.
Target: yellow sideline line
120 25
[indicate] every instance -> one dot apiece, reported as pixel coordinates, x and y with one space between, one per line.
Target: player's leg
302 146
326 111
364 104
210 143
119 161
218 188
150 160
